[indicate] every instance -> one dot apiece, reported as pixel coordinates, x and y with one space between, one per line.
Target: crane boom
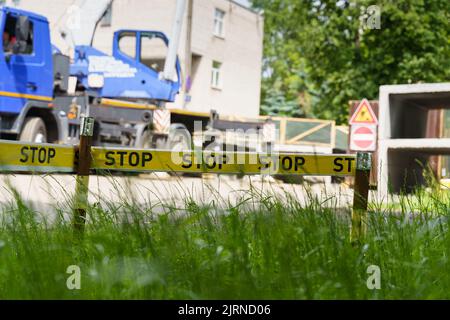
174 40
83 15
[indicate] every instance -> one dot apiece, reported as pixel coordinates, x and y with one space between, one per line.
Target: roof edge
245 7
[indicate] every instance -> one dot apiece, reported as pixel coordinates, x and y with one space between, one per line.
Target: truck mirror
22 29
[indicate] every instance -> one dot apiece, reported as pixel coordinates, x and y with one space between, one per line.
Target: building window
216 75
219 21
107 17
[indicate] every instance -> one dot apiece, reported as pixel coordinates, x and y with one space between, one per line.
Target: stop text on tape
26 157
219 162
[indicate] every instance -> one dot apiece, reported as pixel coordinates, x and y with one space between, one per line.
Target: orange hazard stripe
24 96
123 104
134 105
190 113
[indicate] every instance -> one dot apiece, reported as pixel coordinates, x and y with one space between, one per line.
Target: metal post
82 182
361 196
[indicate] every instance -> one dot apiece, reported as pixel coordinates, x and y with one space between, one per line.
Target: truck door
152 53
147 51
26 71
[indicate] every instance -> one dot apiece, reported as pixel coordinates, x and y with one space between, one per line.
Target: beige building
226 46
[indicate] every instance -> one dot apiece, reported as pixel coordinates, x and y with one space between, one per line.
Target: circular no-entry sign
363 137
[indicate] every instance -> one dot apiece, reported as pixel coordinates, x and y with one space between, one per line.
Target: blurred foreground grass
266 248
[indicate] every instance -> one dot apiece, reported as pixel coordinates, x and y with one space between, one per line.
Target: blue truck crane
43 93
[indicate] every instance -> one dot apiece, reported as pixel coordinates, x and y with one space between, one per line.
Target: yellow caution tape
26 157
220 162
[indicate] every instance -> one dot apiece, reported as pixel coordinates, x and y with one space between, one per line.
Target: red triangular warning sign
364 114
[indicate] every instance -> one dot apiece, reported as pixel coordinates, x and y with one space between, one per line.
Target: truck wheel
34 130
180 142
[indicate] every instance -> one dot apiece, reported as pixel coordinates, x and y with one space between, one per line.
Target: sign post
361 196
83 170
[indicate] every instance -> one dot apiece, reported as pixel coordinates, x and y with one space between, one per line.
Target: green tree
321 49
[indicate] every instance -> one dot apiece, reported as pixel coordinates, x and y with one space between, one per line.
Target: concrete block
402 137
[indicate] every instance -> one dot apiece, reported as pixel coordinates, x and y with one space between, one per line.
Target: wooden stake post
82 181
361 196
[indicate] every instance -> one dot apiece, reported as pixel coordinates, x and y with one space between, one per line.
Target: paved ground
47 193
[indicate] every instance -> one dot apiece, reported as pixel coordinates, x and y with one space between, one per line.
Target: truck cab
25 59
26 69
37 103
138 57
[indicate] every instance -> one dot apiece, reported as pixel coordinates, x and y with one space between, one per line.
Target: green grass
266 247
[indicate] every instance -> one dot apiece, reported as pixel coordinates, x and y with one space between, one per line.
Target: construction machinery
45 92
